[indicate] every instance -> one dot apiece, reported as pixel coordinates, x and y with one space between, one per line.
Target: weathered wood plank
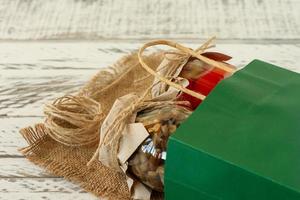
33 73
21 168
90 19
46 196
25 91
62 55
40 188
10 138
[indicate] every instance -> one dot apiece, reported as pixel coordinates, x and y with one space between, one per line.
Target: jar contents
202 77
147 163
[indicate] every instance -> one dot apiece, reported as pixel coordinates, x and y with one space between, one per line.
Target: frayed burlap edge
70 161
59 160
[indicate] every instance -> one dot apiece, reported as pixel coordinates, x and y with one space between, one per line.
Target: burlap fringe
58 163
70 160
32 135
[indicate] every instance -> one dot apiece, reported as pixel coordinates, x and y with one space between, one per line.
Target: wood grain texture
34 73
96 19
29 195
40 188
13 167
10 138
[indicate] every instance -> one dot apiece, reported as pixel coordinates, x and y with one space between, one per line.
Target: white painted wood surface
98 19
40 188
62 43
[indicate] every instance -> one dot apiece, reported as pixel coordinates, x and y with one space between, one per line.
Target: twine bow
112 138
186 52
76 120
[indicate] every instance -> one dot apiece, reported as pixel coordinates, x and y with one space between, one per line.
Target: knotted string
184 52
112 136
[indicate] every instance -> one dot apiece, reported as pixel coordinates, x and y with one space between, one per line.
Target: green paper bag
242 142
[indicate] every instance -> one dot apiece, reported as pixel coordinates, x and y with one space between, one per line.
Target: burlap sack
81 115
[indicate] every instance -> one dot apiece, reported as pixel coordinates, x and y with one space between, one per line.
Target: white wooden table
51 48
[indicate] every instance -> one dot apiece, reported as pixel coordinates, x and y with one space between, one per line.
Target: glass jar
147 163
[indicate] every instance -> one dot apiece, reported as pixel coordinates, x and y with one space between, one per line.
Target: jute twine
69 160
73 120
112 138
81 116
195 53
71 128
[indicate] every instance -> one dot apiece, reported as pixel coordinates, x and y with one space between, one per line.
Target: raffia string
188 51
74 120
65 158
114 132
113 135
